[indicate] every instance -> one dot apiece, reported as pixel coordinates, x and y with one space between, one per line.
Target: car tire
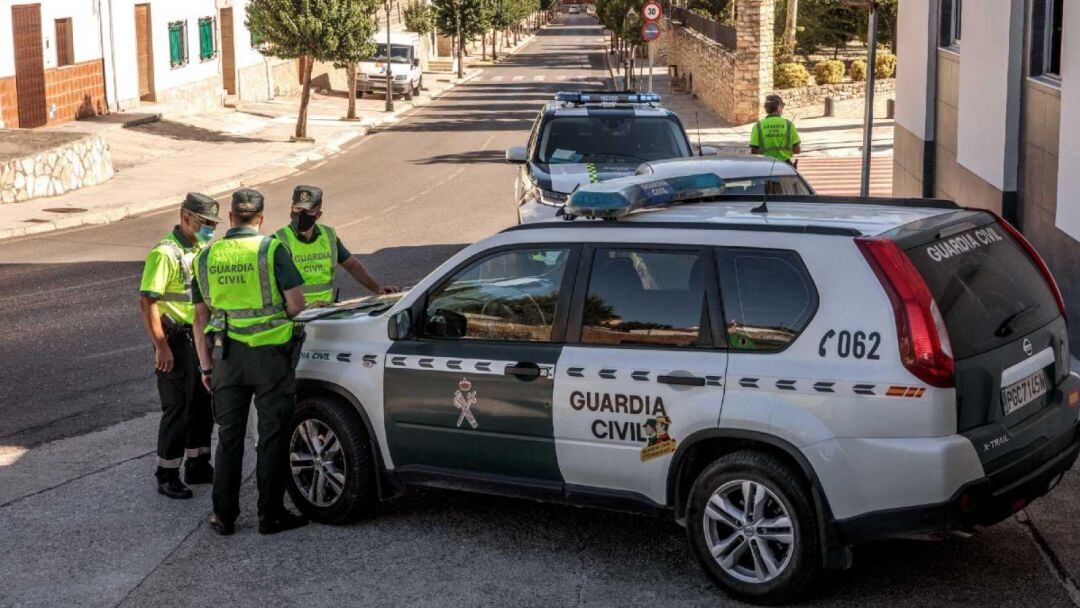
315 475
359 94
408 93
749 562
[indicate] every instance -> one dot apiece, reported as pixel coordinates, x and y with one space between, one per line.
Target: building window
951 12
1046 37
178 52
65 48
206 39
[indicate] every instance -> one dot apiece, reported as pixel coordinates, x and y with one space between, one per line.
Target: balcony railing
714 30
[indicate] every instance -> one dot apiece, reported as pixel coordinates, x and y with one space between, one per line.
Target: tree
791 25
504 15
315 30
462 19
829 24
418 17
356 46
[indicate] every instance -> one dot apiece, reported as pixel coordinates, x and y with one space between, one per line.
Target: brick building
984 93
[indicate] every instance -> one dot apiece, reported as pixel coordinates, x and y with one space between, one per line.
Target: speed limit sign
651 11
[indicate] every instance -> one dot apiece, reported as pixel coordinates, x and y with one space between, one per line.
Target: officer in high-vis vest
246 290
317 250
775 135
167 313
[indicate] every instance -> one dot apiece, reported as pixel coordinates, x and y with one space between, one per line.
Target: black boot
219 525
281 522
198 470
169 484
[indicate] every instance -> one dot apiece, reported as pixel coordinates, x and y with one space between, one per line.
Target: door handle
681 380
523 371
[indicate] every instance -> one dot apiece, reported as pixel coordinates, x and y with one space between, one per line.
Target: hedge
790 76
829 71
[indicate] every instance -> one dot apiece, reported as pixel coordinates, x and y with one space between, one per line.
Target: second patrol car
583 138
785 376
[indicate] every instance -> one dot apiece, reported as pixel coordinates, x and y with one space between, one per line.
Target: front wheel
332 477
752 525
408 93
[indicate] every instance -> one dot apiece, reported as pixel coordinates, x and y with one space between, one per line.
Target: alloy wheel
749 531
317 462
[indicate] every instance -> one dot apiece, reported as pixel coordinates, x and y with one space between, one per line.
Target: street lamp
389 71
868 116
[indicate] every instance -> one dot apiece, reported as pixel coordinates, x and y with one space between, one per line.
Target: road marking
390 208
356 221
118 351
410 199
487 141
518 78
38 294
539 77
564 77
496 78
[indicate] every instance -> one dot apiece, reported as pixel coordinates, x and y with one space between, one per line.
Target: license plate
1018 394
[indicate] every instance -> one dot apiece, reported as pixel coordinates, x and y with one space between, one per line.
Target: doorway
144 52
29 65
228 50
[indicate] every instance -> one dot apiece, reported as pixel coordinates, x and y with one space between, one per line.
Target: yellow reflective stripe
182 296
248 330
316 288
264 273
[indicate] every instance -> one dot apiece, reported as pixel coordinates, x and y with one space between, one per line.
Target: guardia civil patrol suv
582 138
786 377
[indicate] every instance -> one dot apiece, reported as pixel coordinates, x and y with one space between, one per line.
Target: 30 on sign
651 11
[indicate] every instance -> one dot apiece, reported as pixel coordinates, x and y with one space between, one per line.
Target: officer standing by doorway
774 135
245 292
317 250
168 313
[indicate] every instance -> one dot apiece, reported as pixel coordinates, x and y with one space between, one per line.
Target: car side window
510 295
768 297
644 297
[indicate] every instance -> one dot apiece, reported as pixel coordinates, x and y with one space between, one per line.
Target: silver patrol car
583 138
785 377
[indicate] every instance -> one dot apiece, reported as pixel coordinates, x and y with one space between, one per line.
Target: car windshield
778 184
399 53
611 139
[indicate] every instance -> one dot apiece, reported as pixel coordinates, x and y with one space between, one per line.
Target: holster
296 345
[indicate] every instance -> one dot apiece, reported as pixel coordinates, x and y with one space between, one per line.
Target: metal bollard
830 110
890 108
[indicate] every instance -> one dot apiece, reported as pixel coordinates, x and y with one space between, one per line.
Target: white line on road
539 77
38 294
518 78
390 208
118 351
356 221
487 141
496 78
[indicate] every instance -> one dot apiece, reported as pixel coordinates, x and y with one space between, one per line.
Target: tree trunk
350 79
791 24
461 55
494 43
305 97
483 46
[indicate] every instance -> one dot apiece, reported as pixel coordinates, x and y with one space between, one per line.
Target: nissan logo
1027 347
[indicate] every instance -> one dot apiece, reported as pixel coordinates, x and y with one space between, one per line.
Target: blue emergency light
622 196
607 97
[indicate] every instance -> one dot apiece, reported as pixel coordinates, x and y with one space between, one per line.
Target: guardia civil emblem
464 399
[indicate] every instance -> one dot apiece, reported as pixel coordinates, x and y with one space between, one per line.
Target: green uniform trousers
267 374
186 421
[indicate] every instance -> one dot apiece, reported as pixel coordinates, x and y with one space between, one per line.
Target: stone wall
731 82
286 78
253 85
52 172
193 98
815 94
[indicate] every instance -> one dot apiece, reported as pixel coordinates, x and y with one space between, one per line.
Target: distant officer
317 250
775 135
245 292
167 313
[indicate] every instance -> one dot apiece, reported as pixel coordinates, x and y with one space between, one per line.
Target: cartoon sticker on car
658 441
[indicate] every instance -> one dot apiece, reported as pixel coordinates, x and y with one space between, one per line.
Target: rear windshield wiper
1005 328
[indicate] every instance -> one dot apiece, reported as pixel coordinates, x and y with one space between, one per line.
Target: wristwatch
206 372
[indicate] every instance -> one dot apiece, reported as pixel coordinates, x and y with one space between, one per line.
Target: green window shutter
176 42
206 38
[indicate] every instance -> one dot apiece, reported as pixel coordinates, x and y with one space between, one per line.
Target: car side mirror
416 62
446 324
516 154
708 151
400 326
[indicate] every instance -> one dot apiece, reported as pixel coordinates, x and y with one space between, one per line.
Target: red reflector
1074 397
965 503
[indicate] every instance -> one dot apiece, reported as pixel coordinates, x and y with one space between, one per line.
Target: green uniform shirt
775 136
285 272
167 276
316 258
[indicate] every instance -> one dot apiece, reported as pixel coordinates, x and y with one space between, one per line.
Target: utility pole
868 120
389 71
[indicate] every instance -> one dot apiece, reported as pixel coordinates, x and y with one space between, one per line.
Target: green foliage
504 14
828 24
858 70
829 71
790 76
884 65
326 30
473 16
418 17
713 9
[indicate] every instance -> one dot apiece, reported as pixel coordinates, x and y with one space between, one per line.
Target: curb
288 165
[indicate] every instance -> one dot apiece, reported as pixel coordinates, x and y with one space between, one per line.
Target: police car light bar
622 196
607 97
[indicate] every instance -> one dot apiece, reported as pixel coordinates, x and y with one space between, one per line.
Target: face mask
304 222
204 233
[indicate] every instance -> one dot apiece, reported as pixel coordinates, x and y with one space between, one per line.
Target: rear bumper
1012 483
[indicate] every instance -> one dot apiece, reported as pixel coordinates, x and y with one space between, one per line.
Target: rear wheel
752 525
332 477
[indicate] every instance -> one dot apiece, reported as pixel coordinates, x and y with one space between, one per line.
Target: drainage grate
65 210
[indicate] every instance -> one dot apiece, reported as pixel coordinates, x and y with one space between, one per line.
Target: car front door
643 368
471 394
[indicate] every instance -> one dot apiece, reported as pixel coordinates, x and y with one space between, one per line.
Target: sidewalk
157 162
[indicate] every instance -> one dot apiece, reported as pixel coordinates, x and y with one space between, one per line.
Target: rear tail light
1035 257
925 349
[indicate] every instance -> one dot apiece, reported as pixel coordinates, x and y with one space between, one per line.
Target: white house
984 96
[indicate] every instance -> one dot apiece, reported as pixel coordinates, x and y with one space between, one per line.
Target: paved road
80 525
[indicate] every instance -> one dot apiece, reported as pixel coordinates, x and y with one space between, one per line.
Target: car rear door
471 395
642 369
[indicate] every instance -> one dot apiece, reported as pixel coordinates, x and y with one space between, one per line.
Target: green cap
246 200
307 197
201 205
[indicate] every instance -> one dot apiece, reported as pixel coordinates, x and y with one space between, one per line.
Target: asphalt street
81 525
